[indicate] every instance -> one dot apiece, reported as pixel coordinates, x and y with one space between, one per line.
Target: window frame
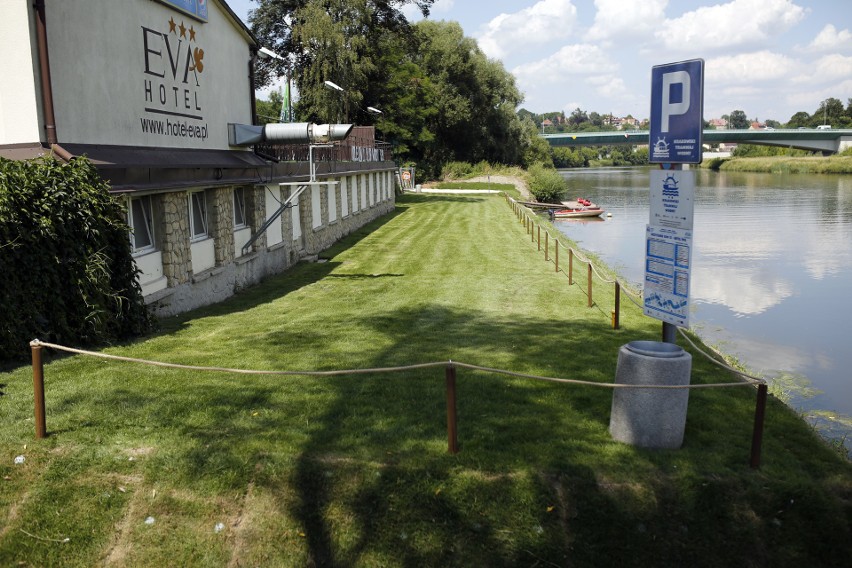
147 220
195 235
240 208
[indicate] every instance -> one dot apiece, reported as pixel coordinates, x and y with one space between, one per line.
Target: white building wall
273 200
19 108
129 71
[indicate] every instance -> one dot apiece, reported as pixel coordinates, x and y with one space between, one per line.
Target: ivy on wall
66 270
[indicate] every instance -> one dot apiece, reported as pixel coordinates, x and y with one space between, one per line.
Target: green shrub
546 184
67 271
456 170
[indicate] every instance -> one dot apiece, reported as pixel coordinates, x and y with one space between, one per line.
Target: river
771 280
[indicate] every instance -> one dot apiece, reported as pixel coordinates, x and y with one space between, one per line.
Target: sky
768 58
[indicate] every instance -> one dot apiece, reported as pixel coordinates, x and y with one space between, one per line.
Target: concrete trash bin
650 418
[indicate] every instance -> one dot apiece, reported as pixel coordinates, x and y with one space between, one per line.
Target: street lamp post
334 87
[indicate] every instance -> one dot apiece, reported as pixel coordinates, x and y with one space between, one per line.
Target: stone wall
177 264
221 222
187 291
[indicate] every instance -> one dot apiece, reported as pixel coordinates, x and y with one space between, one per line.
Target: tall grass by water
147 466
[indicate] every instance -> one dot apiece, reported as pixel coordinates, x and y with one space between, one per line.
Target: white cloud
831 39
577 59
748 69
832 67
544 21
735 24
617 19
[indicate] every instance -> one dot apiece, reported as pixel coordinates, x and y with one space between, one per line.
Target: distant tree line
830 112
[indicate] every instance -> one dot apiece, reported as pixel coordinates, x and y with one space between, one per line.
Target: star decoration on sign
182 30
191 33
172 25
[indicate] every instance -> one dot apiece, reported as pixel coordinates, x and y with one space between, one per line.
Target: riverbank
783 164
155 466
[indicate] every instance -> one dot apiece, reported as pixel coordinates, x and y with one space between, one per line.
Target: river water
771 280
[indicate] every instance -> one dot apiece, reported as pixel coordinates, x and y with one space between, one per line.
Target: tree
534 148
738 120
270 111
327 40
799 120
474 97
578 116
830 111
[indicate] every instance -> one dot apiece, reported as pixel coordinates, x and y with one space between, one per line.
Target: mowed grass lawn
147 466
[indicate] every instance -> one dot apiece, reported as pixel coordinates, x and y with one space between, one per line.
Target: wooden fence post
590 285
452 433
539 237
546 245
556 245
616 312
570 266
757 434
38 390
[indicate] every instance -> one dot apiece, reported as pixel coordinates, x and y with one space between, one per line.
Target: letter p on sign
677 109
668 107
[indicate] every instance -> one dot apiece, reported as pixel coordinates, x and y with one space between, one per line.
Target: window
142 223
198 215
239 207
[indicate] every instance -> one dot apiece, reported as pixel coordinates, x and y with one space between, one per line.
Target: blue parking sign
677 112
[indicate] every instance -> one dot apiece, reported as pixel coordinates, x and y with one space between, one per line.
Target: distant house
546 122
756 126
719 123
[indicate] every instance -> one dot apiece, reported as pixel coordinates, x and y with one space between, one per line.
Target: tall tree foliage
327 40
442 99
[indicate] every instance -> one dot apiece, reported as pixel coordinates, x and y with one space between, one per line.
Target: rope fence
526 217
450 367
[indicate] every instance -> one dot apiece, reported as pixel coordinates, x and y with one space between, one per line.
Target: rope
750 379
37 343
449 363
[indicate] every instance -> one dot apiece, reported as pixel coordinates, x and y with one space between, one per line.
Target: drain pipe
44 66
46 87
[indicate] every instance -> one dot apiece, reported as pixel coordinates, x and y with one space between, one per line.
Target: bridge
825 141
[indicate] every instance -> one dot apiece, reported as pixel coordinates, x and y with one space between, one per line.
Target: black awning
108 157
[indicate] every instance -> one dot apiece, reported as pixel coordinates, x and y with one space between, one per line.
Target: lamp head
265 53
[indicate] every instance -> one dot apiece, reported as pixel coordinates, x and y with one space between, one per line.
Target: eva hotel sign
170 73
174 67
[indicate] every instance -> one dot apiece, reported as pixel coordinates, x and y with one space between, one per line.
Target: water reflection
772 266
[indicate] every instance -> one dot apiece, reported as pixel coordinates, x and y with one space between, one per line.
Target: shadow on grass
360 462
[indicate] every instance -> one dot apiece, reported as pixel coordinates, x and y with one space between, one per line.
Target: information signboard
677 109
671 199
668 256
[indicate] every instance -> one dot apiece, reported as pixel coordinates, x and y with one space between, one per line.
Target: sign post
676 136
